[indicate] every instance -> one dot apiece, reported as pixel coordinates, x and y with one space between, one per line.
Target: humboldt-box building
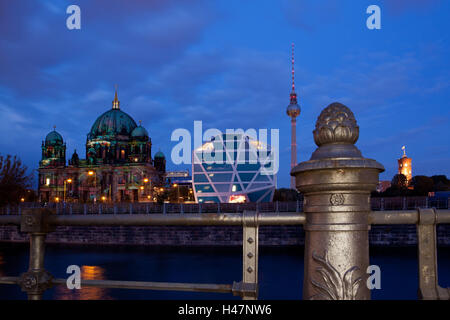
118 164
235 177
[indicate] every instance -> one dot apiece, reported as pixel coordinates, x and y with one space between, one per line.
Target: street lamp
92 173
178 192
65 182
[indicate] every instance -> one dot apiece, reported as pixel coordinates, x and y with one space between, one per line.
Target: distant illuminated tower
293 111
405 166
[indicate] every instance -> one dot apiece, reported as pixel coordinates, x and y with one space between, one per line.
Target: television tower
293 111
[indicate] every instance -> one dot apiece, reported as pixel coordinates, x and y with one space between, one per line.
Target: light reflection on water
85 293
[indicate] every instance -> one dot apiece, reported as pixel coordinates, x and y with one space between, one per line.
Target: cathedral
118 165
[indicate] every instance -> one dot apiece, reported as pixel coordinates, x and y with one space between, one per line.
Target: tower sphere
293 110
336 124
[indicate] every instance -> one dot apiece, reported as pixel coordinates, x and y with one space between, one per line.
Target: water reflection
85 293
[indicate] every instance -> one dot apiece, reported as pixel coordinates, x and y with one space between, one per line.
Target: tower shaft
293 148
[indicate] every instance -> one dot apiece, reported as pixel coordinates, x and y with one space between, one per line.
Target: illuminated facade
405 165
118 164
232 174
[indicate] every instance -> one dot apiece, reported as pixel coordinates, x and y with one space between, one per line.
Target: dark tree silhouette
286 195
399 181
422 185
14 180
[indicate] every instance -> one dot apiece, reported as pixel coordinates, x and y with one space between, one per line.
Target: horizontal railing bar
143 285
206 219
139 285
223 219
394 217
443 216
9 280
9 219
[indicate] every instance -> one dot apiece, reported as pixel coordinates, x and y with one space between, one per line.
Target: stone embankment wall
380 235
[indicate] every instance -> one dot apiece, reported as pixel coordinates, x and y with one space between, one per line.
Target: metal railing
38 222
377 204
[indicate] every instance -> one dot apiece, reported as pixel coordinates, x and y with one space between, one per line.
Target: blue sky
227 63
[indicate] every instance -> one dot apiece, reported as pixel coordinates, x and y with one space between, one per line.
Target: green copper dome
159 154
140 133
112 123
53 138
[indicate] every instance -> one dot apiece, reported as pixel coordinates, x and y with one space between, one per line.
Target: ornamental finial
336 124
116 102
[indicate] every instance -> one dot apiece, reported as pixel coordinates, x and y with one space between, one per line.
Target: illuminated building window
237 198
47 181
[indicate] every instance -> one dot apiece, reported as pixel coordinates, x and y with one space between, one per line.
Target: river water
280 274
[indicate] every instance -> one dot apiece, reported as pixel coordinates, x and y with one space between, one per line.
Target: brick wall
396 235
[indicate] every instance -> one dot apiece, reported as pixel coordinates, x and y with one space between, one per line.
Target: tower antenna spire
293 69
116 102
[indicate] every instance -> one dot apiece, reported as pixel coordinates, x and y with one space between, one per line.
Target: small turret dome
53 138
139 133
160 155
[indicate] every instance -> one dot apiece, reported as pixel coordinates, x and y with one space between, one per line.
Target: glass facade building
233 168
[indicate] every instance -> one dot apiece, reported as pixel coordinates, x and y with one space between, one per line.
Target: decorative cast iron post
336 183
36 280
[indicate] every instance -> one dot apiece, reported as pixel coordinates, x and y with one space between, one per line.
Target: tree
441 183
14 180
422 185
285 195
399 181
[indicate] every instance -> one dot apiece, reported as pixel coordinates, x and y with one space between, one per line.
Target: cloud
398 7
310 15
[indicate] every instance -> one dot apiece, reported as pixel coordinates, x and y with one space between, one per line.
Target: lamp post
178 192
93 173
65 185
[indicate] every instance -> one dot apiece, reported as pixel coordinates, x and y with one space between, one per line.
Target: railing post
36 280
164 208
248 288
181 208
336 183
382 204
429 288
404 203
85 209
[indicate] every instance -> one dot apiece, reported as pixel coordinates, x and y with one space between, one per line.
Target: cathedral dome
112 123
53 138
139 133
